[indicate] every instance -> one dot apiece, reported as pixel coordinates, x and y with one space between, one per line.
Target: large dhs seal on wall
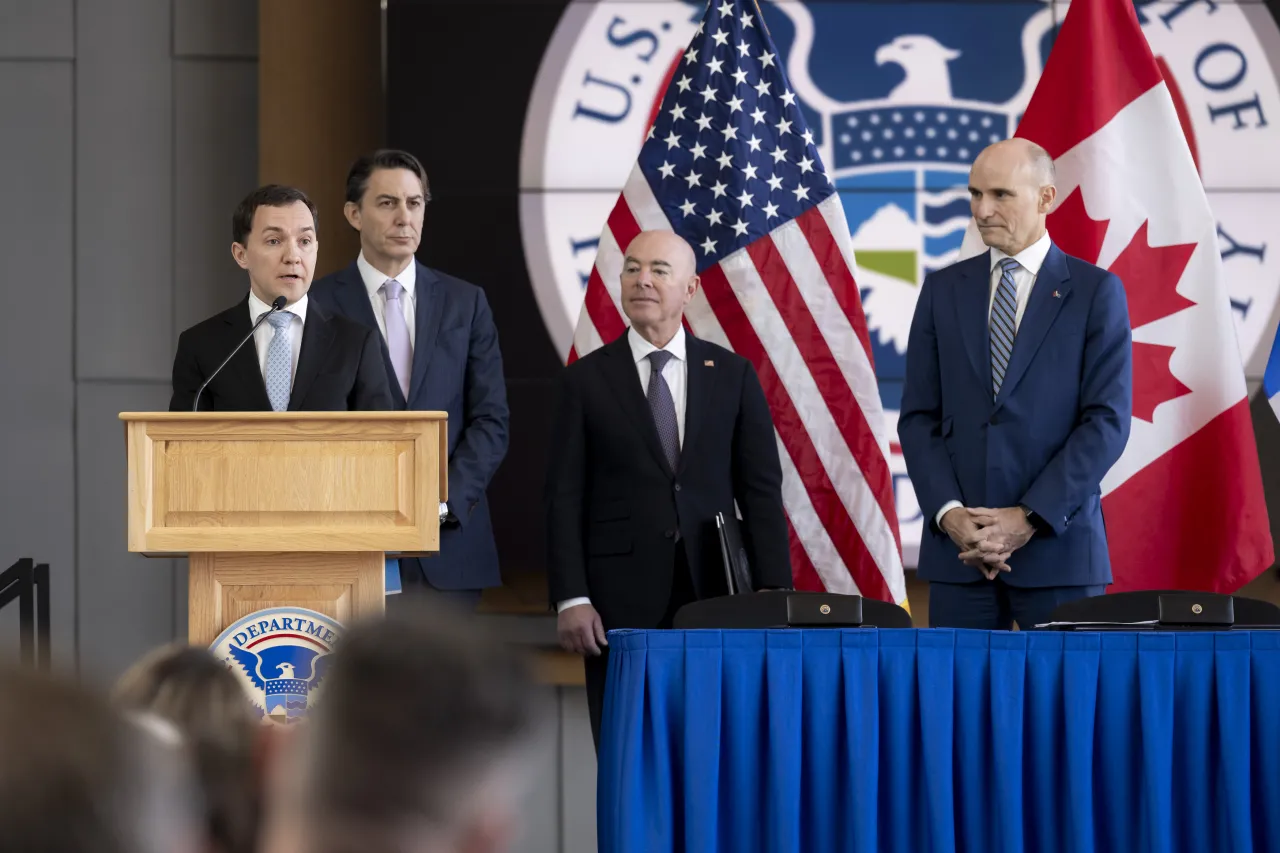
280 655
900 97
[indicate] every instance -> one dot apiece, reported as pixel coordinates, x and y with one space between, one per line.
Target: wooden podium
284 508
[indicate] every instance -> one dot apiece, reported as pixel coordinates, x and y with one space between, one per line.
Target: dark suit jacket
457 368
338 367
613 503
1060 422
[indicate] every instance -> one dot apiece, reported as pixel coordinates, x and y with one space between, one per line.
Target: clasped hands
987 537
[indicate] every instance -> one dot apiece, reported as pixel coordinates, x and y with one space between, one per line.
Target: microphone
277 304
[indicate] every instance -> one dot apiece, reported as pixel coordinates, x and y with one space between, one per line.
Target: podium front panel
226 587
286 482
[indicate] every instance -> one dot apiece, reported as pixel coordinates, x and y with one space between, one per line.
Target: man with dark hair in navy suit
1017 401
440 349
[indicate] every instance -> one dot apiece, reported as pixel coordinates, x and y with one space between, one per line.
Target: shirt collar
257 308
1030 258
373 280
640 348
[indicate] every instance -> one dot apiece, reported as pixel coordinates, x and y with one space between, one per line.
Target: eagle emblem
278 673
280 656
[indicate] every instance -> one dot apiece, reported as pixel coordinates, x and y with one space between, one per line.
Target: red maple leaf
1073 230
1151 275
1153 380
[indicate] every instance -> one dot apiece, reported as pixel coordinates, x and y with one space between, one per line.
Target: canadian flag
1184 506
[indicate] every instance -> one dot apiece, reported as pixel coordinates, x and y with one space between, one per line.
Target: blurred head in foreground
78 777
192 690
419 743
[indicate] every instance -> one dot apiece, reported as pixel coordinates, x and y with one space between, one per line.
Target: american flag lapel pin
1057 294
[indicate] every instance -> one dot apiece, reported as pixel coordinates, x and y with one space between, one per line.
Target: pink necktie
398 335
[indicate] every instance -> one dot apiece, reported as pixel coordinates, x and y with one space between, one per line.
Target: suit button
677 487
993 420
670 534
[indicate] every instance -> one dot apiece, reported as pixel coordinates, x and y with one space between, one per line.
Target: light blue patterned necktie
1004 311
279 372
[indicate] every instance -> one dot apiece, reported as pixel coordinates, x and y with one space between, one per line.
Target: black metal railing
28 583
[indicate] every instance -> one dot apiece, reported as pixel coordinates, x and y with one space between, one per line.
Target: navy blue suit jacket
1060 422
457 368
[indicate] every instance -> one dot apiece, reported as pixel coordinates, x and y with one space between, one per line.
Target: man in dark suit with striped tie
653 435
1017 401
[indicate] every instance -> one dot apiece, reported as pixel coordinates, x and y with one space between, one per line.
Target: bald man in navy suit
1017 401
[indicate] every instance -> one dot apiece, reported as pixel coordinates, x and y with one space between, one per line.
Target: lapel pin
1057 294
708 363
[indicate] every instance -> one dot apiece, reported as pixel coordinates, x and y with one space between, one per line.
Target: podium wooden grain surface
284 508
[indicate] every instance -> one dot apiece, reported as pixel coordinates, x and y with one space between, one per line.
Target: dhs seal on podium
279 655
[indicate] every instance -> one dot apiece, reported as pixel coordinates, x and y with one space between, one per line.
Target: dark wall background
458 79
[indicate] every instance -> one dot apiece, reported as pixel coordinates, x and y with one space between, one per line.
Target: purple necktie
398 335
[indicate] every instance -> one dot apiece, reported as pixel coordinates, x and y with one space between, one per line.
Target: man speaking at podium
302 358
1017 401
653 435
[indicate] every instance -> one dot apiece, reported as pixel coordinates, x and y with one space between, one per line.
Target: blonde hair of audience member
421 743
191 689
76 776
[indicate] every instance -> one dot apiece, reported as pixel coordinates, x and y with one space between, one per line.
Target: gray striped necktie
1004 311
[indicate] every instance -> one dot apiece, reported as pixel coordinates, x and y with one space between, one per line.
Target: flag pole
760 14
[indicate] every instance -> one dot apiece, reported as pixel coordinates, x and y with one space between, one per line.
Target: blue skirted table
937 740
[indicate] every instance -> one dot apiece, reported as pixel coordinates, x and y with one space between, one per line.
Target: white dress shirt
1029 261
676 372
263 334
373 281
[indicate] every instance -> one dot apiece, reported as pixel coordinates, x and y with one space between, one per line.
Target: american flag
731 166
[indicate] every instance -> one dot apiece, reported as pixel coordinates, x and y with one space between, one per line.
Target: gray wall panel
124 189
126 600
216 160
37 29
134 156
540 832
37 477
577 774
215 28
9 633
